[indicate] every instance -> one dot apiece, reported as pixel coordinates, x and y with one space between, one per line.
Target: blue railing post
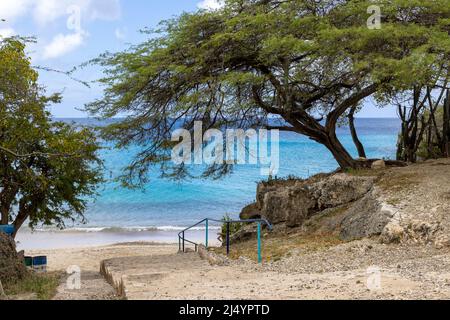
259 243
206 242
183 243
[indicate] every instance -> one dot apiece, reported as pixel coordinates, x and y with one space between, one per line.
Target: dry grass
398 182
365 172
34 286
276 247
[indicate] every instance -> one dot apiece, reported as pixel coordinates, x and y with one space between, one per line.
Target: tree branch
38 154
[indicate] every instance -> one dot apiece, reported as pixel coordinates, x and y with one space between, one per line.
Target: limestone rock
366 218
340 189
415 231
422 232
380 164
292 206
294 202
250 212
11 263
392 233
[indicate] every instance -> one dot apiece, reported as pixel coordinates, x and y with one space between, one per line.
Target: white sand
156 271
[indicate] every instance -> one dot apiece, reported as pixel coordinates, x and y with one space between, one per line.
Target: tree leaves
48 169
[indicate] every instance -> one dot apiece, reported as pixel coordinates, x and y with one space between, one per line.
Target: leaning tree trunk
342 156
22 216
354 133
446 127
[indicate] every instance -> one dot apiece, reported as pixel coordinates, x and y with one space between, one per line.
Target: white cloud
63 44
105 10
7 32
121 34
47 11
76 14
211 4
12 9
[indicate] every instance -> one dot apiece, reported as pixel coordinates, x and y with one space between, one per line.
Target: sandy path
93 285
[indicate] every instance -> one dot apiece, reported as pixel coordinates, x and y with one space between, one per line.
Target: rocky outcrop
407 204
291 206
12 267
293 202
340 189
367 217
250 212
417 232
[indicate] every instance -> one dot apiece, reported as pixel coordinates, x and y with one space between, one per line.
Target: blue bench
8 229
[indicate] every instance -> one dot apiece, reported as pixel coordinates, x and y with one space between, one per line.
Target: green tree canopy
306 62
47 169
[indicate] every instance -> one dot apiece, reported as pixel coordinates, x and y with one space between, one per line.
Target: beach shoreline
70 239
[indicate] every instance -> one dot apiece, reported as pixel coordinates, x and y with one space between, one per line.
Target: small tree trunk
446 127
4 216
22 216
17 225
401 144
342 156
354 133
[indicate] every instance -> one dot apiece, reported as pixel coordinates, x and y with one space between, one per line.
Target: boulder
340 189
291 206
250 212
12 267
366 218
392 233
415 231
379 164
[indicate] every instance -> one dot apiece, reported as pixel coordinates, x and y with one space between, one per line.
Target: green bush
234 228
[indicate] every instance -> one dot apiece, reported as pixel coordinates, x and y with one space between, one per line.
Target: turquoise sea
167 206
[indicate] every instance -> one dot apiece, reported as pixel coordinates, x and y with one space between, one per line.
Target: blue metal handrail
182 239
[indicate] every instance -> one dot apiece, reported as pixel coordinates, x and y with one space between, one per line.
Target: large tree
306 62
48 170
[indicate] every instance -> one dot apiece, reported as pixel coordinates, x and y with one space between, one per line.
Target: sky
70 32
